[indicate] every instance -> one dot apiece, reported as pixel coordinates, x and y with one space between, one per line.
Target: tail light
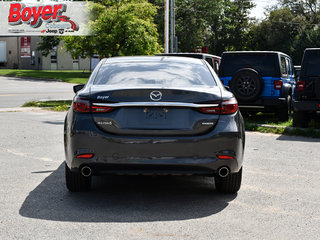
229 107
211 110
84 106
226 107
81 105
278 84
97 109
300 86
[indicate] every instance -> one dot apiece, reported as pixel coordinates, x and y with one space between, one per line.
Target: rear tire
246 85
229 184
76 182
300 119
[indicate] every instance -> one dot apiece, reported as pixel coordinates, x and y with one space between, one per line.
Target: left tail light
278 84
85 106
226 107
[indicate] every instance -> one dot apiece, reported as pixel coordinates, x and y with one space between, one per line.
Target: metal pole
166 26
172 25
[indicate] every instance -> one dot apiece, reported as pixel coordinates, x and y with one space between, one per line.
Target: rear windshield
163 74
262 63
311 64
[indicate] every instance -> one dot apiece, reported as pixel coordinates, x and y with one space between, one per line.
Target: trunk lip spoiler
156 104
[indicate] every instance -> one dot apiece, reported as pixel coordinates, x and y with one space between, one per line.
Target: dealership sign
45 18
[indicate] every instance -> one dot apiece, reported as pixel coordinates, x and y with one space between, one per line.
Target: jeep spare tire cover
246 84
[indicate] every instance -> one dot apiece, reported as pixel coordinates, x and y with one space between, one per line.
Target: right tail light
301 85
226 107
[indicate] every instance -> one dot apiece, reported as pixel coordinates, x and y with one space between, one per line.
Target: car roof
153 59
255 52
188 55
313 49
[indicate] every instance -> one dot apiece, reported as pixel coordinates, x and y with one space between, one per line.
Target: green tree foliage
290 27
119 27
220 24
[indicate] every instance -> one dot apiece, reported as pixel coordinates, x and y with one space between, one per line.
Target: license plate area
155 114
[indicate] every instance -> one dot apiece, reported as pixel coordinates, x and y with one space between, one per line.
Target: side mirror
227 87
77 88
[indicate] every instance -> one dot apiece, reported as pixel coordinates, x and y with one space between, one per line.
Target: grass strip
78 77
57 105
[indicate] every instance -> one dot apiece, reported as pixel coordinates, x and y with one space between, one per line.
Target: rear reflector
300 86
225 157
88 155
277 84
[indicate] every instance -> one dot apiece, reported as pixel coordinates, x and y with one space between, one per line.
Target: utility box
3 51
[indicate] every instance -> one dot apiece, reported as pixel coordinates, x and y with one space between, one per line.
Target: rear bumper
306 105
185 155
263 103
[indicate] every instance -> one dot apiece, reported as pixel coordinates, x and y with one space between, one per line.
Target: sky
260 5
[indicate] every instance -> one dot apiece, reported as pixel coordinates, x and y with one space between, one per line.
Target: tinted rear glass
312 64
163 74
263 63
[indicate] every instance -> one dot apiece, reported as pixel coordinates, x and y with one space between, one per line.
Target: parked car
306 100
213 60
261 81
154 115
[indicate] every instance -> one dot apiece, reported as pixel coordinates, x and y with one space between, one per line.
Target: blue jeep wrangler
261 81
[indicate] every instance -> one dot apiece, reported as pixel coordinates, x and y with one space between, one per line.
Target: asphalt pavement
279 197
14 92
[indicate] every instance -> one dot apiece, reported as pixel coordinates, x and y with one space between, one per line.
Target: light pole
166 26
172 21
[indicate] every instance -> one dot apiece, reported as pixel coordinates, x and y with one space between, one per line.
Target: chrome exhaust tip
86 171
223 172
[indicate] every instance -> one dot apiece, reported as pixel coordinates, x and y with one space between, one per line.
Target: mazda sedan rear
154 115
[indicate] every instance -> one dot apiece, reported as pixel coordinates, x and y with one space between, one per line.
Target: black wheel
284 112
246 85
300 119
230 183
76 182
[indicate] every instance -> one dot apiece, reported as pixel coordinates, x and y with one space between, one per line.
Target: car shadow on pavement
125 199
298 139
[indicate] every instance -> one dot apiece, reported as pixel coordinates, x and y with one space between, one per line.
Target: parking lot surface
279 198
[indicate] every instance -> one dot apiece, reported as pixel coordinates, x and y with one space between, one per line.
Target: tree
119 27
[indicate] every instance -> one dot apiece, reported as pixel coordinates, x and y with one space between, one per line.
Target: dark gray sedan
154 115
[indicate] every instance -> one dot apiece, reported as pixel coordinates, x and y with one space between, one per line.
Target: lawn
63 75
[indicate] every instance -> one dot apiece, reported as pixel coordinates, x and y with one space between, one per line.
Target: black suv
306 100
261 81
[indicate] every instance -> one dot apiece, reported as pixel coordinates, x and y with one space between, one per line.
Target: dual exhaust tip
86 171
223 172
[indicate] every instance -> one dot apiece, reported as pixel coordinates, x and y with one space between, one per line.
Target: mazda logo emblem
155 95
